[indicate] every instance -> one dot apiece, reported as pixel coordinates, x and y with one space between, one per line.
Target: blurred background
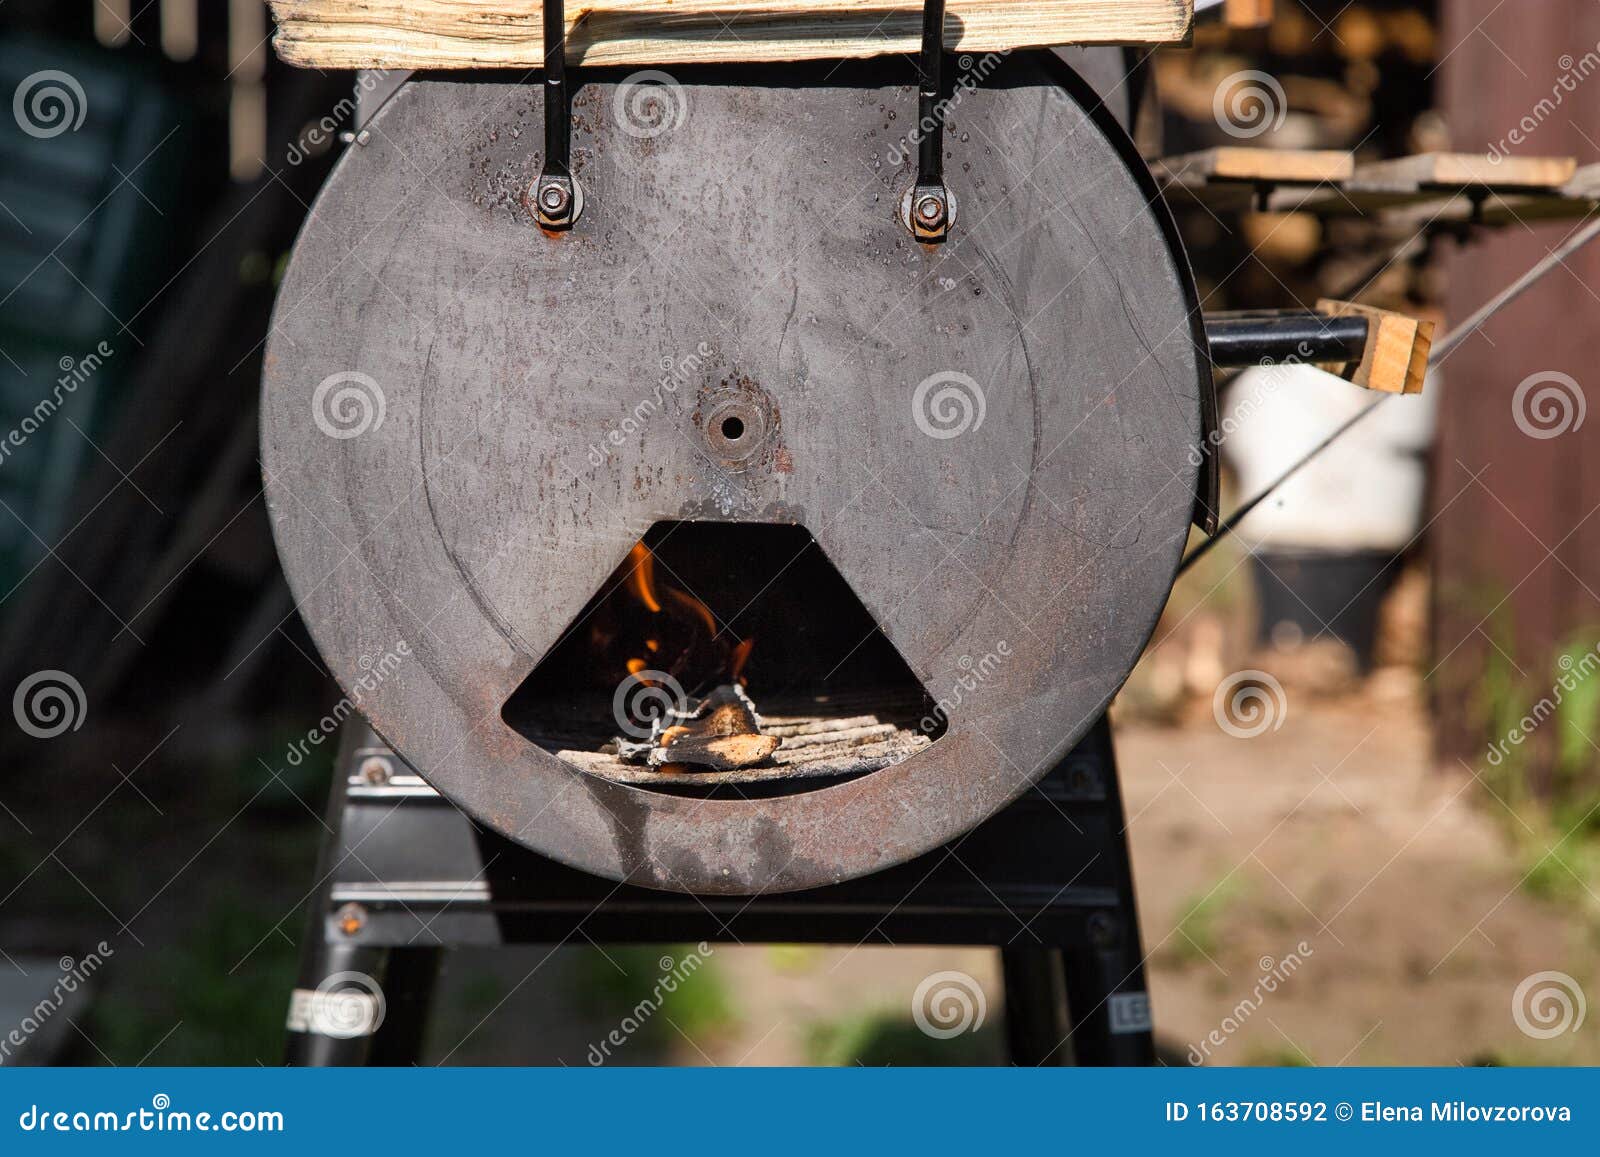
1416 815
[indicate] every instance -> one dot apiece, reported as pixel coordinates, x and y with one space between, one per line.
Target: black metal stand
404 874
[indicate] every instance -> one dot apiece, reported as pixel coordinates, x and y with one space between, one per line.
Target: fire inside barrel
720 732
659 682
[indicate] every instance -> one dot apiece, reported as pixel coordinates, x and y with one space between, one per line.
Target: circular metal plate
467 424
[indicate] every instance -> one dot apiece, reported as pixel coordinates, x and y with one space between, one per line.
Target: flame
695 607
640 585
642 579
741 655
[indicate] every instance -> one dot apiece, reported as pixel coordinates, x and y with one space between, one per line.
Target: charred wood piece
722 732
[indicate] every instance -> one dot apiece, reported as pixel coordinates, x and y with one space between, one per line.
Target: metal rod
1441 350
556 199
1238 340
557 132
930 156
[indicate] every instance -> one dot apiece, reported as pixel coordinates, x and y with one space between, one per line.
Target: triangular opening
654 682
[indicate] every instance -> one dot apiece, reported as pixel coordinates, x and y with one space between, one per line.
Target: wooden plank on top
1462 170
507 33
1585 184
1257 166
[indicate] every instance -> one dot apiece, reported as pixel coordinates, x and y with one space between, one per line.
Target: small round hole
733 428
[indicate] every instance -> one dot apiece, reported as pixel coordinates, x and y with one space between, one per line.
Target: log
506 33
867 733
719 752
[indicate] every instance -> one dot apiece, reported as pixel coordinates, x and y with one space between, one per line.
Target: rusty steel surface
465 431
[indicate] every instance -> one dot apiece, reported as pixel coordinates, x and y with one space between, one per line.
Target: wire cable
1441 350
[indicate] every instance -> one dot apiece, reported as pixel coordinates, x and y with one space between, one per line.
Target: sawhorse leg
355 1004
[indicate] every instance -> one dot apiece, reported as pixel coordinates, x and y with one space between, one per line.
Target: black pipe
1277 337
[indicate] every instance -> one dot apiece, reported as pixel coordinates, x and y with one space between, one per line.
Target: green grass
884 1037
611 986
1551 780
1278 1057
1198 933
794 959
192 1002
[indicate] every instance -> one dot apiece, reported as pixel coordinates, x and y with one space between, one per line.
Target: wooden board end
1395 360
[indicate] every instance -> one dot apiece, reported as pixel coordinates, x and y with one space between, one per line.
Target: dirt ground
1406 882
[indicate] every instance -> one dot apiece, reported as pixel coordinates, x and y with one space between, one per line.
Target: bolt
930 210
376 769
352 918
1102 930
553 199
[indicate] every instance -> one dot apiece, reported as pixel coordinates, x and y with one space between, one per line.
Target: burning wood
722 732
